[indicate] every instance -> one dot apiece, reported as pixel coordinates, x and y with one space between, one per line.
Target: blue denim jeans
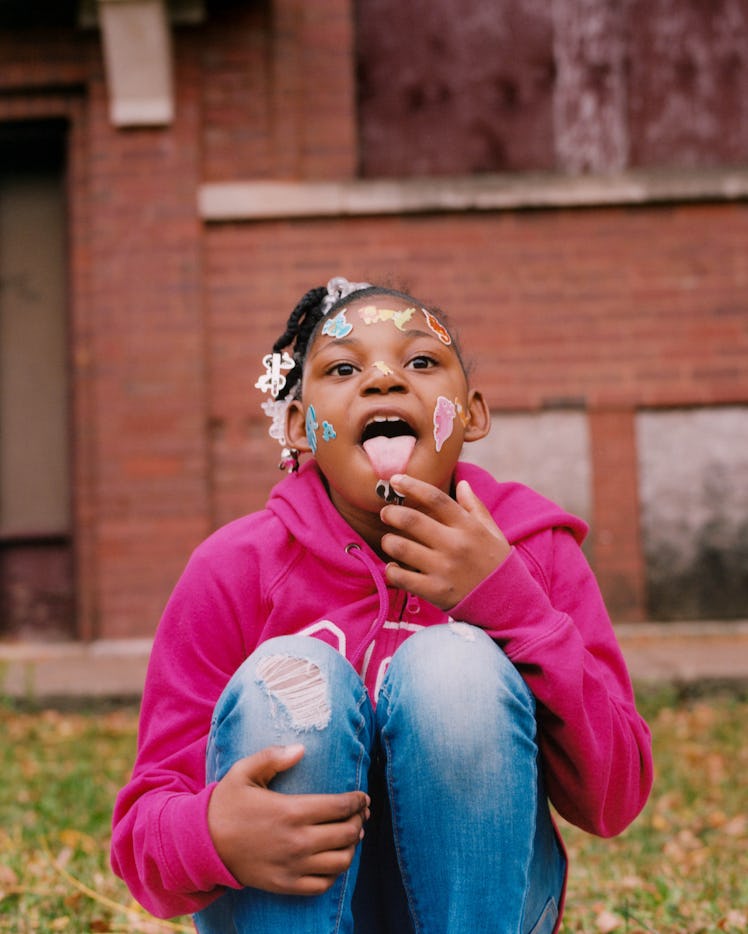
460 837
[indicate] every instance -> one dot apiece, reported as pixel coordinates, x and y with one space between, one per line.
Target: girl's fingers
426 498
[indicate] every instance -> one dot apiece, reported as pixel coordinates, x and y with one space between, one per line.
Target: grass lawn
682 868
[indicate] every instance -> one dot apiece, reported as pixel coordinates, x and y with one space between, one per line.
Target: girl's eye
342 369
422 362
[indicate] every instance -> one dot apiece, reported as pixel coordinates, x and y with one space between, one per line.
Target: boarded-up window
448 87
693 465
468 86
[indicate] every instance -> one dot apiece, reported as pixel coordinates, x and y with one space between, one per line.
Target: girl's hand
292 844
442 548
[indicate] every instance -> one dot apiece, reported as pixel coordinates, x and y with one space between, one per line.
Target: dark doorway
36 554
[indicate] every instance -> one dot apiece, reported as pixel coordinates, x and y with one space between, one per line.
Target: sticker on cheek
311 428
328 432
338 326
437 327
382 367
444 417
462 414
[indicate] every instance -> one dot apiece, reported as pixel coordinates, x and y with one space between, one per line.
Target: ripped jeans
460 837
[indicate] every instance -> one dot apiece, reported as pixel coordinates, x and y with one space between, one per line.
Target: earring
289 460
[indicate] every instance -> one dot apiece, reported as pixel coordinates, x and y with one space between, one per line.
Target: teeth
384 418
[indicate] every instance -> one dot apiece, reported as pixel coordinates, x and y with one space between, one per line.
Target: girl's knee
453 687
291 689
295 675
454 661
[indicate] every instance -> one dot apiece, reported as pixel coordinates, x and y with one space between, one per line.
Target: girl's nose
381 377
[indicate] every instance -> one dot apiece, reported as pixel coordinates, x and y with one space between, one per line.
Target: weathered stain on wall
589 97
573 85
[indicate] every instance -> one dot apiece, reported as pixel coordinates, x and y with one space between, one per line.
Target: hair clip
337 288
275 409
273 380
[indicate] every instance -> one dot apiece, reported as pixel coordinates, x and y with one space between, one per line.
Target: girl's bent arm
543 606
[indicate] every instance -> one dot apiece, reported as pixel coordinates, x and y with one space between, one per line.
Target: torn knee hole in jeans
298 685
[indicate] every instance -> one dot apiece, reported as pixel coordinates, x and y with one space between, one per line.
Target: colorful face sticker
461 413
437 327
401 318
382 367
337 326
328 432
370 314
311 428
444 416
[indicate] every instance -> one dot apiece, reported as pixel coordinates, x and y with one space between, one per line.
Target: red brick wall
611 309
278 93
616 307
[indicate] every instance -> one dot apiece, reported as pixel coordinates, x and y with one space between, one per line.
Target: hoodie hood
302 504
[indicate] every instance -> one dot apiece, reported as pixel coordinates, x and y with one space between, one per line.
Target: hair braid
299 327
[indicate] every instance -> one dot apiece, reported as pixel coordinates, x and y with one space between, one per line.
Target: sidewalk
679 653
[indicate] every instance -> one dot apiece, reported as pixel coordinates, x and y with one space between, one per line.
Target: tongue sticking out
389 456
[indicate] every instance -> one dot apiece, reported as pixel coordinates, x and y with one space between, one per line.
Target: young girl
361 698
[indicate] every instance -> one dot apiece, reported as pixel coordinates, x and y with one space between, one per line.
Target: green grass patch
681 868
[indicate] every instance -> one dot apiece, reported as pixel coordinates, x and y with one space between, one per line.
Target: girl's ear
296 427
479 417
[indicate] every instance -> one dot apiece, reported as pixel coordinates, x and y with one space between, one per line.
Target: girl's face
383 366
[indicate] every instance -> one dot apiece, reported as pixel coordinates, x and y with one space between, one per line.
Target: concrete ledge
103 669
686 652
266 200
675 653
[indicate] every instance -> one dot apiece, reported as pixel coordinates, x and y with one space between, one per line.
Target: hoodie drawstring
384 599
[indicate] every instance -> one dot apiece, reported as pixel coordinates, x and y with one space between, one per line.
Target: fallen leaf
608 921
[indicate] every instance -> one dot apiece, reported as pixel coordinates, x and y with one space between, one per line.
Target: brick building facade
609 295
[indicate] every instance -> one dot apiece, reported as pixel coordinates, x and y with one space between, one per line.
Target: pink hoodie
298 567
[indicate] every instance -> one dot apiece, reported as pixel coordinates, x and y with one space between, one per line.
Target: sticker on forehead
338 326
371 314
437 327
328 432
444 417
311 428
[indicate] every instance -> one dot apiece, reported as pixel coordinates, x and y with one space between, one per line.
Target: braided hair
299 328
